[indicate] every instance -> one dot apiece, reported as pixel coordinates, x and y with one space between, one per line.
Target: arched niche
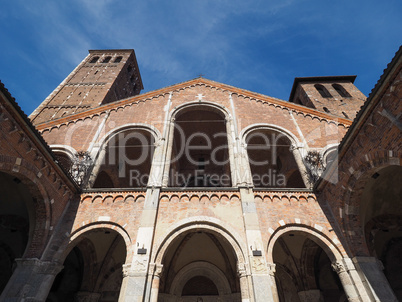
381 217
303 268
125 159
200 153
92 267
19 207
199 264
272 158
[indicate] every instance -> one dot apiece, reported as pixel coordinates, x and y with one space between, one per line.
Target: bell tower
104 76
335 95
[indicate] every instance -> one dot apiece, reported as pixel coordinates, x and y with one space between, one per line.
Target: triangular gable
197 81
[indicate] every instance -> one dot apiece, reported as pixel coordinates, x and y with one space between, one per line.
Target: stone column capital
338 267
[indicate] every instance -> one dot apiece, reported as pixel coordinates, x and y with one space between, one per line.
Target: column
31 280
341 267
375 281
271 272
244 282
157 268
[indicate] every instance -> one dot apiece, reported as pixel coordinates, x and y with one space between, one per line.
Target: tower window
94 59
118 59
129 68
326 110
345 115
107 59
341 91
323 91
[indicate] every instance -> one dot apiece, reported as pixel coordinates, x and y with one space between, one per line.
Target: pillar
375 281
244 283
351 282
31 280
157 268
274 289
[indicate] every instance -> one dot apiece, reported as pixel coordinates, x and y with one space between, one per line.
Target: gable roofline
299 80
19 116
199 80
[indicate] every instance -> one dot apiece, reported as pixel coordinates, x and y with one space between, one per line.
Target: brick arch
79 234
357 177
332 247
132 126
28 174
188 106
209 224
265 126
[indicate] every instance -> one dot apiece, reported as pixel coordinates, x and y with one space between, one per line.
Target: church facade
201 191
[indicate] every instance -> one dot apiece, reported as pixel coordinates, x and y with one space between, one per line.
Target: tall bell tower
104 76
335 95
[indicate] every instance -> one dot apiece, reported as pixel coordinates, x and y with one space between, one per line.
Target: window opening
341 90
323 91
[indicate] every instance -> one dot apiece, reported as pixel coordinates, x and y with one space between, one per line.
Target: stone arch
295 176
331 248
147 132
304 258
193 223
200 268
226 240
357 176
329 153
28 175
98 250
220 144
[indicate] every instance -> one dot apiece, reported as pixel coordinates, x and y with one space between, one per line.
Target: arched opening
271 159
303 270
92 271
341 90
64 160
323 91
127 160
199 265
200 153
17 223
107 59
94 59
381 216
118 59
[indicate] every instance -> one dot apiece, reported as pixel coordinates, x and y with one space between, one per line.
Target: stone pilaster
157 272
261 280
371 270
31 280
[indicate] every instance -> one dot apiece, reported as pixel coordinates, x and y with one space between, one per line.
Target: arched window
107 59
323 91
326 110
341 91
118 59
94 60
345 115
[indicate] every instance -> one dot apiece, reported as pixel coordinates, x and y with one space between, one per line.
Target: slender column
155 282
271 272
348 285
31 281
244 288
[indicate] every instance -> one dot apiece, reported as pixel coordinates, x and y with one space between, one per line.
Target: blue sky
258 45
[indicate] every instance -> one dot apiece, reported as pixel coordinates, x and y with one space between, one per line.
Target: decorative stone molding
338 267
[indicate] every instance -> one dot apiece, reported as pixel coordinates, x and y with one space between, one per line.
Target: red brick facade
158 242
